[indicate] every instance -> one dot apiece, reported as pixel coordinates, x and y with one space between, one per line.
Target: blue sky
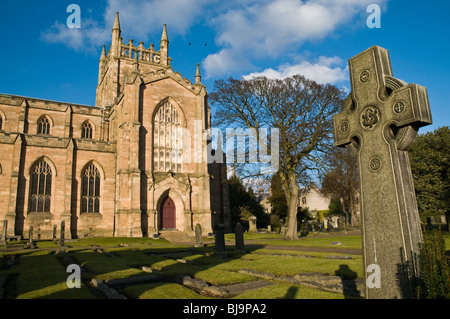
41 57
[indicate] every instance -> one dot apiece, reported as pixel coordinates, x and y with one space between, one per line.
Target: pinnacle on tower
164 34
103 55
101 64
116 22
164 48
198 77
115 42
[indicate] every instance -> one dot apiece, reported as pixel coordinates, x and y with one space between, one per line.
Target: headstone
239 237
252 225
379 121
198 236
219 230
429 222
62 246
5 229
334 222
31 244
54 234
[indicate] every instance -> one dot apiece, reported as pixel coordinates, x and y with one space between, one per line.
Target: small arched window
43 126
41 187
1 123
86 130
90 190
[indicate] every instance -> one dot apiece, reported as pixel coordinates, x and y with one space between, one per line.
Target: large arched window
86 130
43 125
167 139
90 190
41 187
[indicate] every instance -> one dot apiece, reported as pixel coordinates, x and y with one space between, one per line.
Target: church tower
159 120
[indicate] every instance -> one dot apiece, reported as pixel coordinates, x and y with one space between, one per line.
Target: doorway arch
167 214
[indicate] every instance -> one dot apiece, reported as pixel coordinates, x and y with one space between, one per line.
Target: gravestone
239 237
62 246
54 234
31 244
429 222
252 225
198 236
5 229
379 121
219 230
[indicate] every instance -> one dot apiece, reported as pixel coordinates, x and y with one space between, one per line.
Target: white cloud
247 31
326 70
269 29
87 38
138 19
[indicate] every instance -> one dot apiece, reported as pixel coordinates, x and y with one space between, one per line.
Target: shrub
434 269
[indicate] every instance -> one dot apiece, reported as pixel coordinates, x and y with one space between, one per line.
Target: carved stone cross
378 123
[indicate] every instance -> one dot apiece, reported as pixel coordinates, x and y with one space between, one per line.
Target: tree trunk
291 232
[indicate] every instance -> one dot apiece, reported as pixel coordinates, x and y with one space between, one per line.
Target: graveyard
124 212
318 267
322 265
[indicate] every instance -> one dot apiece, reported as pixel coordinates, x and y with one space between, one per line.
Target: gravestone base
154 236
30 245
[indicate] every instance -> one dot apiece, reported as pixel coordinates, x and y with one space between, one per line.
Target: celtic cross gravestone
379 121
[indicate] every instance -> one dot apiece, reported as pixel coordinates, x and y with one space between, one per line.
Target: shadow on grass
348 281
42 274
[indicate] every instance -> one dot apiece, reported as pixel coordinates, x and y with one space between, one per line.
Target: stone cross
219 241
239 237
379 121
198 236
5 229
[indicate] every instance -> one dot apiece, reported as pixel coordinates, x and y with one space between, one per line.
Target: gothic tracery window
41 187
86 130
43 125
167 139
90 190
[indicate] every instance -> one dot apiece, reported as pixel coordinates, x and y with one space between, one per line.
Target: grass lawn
42 274
312 240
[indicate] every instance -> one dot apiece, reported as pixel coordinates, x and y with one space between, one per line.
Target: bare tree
299 108
341 180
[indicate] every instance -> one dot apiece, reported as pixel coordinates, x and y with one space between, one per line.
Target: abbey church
117 168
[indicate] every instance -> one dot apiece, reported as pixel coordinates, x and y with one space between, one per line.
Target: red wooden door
168 213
